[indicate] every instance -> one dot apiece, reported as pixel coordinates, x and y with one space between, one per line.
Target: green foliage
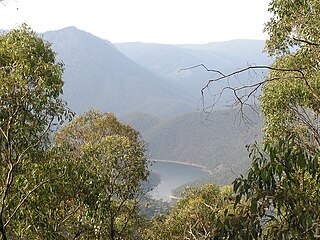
150 207
202 213
85 186
105 167
282 185
291 97
31 83
293 24
282 190
216 141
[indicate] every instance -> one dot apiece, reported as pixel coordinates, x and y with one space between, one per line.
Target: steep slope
98 76
217 142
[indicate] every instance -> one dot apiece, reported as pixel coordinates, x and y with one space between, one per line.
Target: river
173 175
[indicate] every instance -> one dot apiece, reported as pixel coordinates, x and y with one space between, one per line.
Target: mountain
216 141
142 84
99 76
167 61
141 77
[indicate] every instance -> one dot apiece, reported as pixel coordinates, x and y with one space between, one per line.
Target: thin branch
27 196
306 41
137 201
243 99
235 73
33 145
4 134
69 215
203 66
5 192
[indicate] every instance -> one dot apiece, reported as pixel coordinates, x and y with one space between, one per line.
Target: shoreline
172 197
203 168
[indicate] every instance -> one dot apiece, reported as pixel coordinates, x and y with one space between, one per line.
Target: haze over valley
143 84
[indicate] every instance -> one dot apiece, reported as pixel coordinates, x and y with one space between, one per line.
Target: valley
143 85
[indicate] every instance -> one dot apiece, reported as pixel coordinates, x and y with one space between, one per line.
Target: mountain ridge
99 76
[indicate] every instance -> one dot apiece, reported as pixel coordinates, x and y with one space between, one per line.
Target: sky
156 21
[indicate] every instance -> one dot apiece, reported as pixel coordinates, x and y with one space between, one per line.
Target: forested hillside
145 78
216 141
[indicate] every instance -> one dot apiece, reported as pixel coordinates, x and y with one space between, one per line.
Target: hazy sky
160 21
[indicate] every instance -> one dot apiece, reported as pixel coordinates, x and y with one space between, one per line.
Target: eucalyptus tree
201 213
280 194
30 107
107 167
282 185
292 101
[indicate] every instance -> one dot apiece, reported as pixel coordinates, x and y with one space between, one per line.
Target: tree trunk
112 230
2 231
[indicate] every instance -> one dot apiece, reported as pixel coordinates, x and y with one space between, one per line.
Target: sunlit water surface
174 175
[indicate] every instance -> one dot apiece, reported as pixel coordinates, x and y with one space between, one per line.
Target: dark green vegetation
216 141
83 184
85 181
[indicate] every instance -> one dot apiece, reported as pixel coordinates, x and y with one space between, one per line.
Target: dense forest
85 177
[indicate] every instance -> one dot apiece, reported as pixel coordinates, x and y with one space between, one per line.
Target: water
173 175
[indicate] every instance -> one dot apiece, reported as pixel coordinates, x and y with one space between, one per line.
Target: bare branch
259 67
205 67
252 88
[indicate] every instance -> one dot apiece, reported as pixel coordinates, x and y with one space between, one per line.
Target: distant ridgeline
139 77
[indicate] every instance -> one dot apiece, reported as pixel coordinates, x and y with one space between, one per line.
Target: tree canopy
30 106
282 185
86 181
290 100
107 167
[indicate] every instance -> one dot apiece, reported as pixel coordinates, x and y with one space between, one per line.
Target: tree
282 187
201 213
290 91
282 191
292 102
107 166
31 84
282 184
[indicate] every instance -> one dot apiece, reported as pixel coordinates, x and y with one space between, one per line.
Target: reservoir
173 175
